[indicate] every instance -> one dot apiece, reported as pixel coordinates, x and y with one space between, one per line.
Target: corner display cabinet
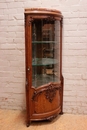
43 52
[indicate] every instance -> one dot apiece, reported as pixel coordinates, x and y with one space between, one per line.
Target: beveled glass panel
45 52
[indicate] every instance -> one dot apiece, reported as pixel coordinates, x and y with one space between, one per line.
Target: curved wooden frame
43 11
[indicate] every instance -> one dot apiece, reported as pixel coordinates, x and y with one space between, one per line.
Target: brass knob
28 69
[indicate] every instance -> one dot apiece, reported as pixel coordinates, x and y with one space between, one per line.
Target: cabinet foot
61 113
28 124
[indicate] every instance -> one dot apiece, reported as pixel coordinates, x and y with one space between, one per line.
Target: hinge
26 84
61 21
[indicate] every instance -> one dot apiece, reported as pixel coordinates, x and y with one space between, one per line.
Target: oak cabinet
43 54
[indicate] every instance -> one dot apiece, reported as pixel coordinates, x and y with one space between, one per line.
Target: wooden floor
15 120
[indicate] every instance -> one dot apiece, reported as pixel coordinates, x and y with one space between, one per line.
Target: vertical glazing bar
34 53
61 48
61 77
52 47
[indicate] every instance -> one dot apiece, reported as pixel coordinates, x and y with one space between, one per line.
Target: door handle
28 69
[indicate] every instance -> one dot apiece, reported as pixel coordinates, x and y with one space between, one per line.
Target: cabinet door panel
47 102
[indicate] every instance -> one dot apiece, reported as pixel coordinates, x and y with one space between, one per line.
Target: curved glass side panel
45 52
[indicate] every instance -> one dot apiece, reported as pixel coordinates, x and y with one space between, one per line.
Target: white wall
12 52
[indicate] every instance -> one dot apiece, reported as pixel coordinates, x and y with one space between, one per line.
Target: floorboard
15 120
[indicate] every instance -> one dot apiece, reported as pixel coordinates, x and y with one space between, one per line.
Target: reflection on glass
45 52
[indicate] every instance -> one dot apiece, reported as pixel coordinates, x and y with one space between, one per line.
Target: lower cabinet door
45 103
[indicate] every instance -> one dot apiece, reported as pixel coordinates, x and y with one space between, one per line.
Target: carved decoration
30 20
51 18
50 92
35 94
51 117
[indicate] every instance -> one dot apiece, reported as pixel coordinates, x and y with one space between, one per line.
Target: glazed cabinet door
45 52
45 68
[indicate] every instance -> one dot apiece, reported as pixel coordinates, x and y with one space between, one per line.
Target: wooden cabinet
43 52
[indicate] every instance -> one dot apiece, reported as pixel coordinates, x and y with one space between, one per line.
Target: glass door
45 52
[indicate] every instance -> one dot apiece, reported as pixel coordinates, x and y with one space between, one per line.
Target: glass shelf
43 42
41 79
44 61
